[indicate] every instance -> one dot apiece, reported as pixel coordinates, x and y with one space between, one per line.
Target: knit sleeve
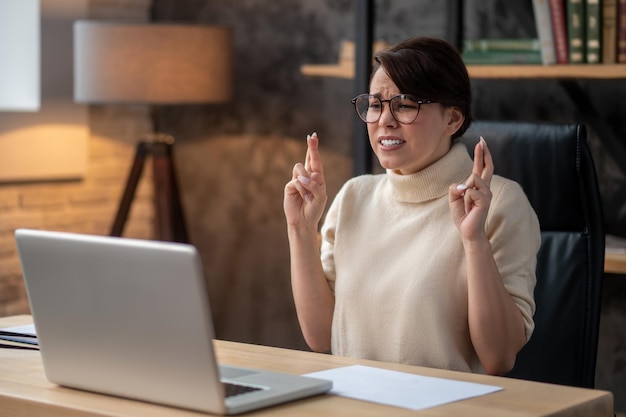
327 249
513 230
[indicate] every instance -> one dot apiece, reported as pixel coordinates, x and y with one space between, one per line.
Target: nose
386 117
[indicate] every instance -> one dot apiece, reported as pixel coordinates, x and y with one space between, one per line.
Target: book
559 29
502 57
575 31
609 31
503 44
592 31
541 9
621 31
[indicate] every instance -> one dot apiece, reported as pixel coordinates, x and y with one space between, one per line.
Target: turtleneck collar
433 181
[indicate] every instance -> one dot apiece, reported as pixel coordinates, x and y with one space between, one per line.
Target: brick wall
88 205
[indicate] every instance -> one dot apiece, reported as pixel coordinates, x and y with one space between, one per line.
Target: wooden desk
24 390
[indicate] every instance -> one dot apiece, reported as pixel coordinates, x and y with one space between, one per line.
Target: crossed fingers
310 177
483 162
475 191
313 161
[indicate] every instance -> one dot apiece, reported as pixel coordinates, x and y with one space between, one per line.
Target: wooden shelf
334 71
615 255
615 262
569 71
587 71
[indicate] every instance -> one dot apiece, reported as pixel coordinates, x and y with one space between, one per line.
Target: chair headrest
545 159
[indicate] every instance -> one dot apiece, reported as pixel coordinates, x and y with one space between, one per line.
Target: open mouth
391 142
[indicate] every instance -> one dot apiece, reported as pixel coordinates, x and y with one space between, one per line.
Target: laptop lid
131 318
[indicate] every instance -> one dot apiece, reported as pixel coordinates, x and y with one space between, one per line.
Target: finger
318 178
471 196
480 195
307 157
456 191
465 191
313 154
479 163
487 173
459 193
479 184
300 188
299 170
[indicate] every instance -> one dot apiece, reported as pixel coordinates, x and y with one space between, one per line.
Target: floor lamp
154 64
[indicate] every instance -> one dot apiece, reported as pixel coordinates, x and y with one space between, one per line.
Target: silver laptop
131 318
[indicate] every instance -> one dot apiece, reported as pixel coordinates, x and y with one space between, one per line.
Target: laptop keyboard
231 390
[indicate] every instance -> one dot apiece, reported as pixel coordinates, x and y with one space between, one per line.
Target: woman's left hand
469 202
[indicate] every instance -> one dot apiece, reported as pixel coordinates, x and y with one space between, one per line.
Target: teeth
391 142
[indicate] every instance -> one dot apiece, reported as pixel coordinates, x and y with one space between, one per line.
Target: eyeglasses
404 107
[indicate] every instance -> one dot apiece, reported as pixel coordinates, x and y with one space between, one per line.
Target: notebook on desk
131 318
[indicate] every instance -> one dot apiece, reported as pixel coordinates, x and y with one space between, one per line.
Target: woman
431 263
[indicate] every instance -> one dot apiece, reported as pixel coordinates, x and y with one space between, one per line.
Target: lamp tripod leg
168 208
130 189
170 224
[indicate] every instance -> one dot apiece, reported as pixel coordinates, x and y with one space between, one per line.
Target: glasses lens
368 107
404 108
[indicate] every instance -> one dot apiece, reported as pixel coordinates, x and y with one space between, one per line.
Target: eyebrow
380 96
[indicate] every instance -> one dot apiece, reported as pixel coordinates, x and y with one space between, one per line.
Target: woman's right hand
305 195
304 203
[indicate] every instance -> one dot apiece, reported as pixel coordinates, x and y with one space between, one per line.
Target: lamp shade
151 63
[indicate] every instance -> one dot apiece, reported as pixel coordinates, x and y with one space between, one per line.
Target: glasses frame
418 101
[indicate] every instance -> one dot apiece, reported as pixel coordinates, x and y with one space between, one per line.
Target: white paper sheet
399 389
26 329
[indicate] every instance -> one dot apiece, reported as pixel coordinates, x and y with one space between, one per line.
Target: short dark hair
431 69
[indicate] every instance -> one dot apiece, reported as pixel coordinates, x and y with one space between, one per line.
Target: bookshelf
567 75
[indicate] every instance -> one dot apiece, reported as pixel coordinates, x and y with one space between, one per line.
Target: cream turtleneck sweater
395 261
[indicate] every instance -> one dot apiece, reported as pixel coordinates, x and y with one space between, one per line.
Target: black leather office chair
553 165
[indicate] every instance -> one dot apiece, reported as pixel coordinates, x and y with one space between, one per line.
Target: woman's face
409 148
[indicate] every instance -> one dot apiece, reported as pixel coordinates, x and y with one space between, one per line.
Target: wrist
477 244
302 231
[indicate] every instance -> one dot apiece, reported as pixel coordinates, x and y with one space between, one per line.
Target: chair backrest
553 164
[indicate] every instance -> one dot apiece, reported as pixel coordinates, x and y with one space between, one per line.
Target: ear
455 119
